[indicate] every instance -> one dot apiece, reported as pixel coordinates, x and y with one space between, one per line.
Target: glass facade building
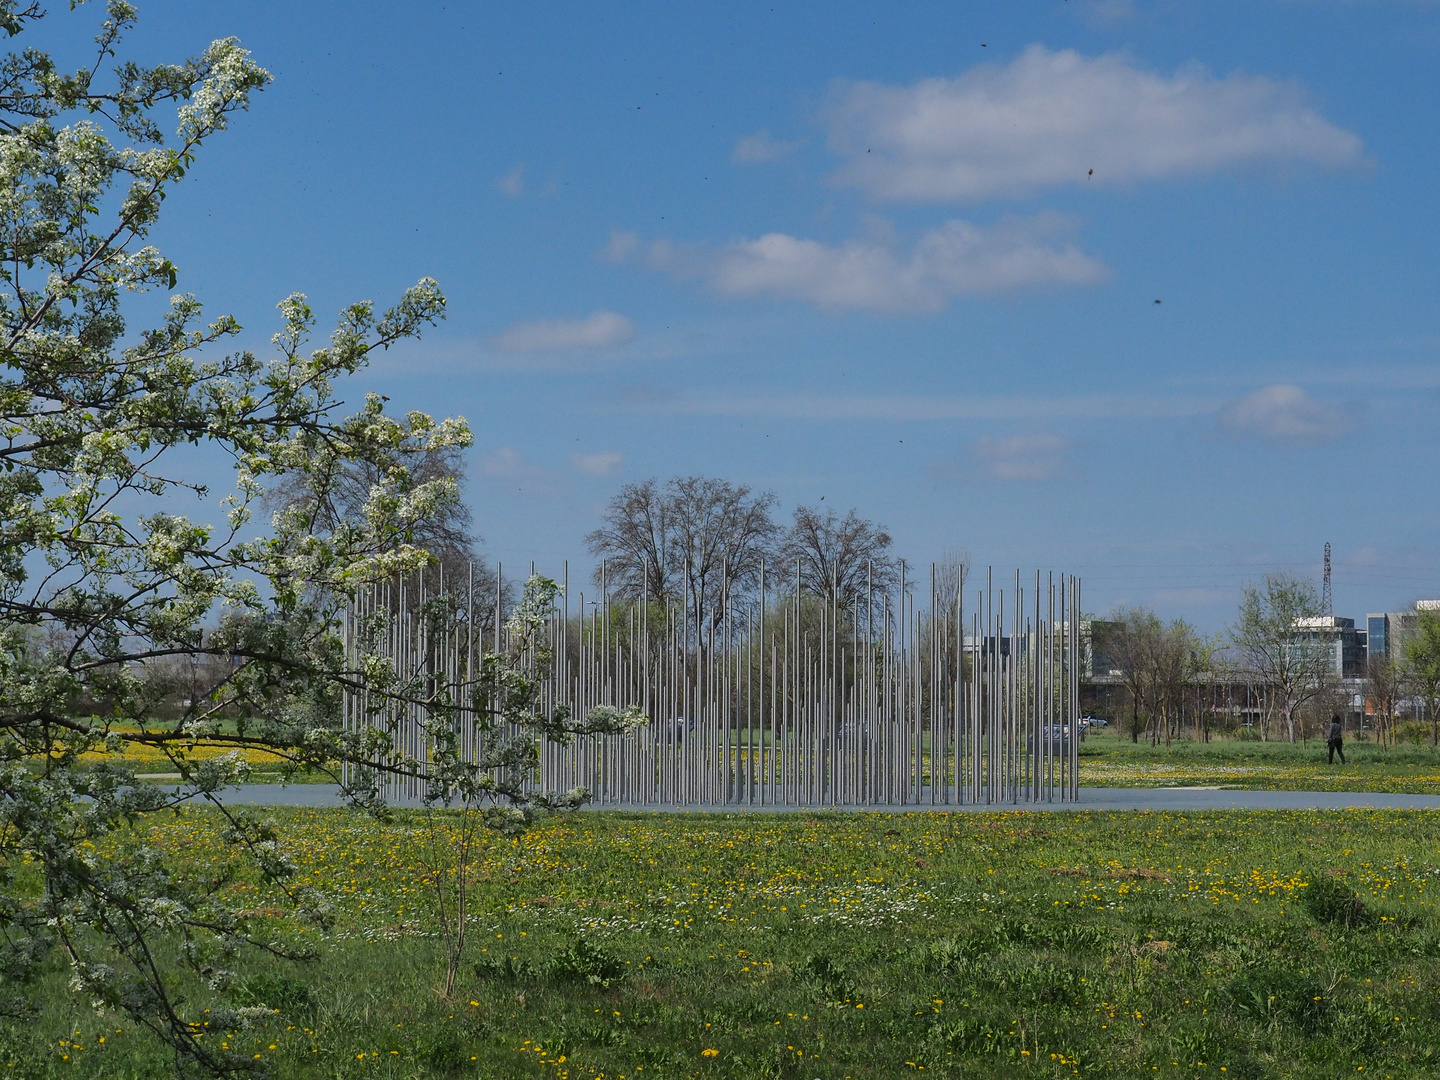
1378 636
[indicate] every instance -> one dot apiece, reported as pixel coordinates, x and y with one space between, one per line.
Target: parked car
1094 721
1058 737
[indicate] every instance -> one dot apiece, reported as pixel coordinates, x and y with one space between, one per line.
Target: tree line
1279 654
703 543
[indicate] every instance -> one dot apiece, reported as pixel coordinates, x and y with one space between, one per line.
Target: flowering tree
114 561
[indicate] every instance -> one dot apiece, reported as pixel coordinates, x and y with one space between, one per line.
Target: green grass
1111 760
828 945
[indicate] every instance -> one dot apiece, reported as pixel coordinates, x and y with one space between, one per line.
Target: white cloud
600 464
600 330
932 407
512 182
1050 117
1106 11
505 463
510 469
1009 458
1283 413
955 259
1021 457
622 246
759 147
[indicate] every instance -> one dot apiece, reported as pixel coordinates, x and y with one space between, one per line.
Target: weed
507 969
827 976
1329 900
293 999
586 962
1276 995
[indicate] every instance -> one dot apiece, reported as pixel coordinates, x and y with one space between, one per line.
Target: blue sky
851 251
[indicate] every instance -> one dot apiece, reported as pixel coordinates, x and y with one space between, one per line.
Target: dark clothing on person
1337 742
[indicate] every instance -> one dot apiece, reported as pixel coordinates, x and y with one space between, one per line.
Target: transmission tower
1327 605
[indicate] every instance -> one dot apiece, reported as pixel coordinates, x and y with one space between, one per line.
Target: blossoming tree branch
116 561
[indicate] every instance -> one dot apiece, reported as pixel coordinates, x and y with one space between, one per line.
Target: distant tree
636 543
1158 662
1129 640
1212 670
1384 686
1334 699
1174 657
838 558
327 497
323 499
695 541
1293 663
951 574
1422 666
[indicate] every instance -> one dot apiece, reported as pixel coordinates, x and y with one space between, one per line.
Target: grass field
151 763
1112 760
1107 759
1237 945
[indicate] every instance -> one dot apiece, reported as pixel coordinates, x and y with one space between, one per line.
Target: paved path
1177 798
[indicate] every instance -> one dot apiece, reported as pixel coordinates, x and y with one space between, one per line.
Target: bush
1413 732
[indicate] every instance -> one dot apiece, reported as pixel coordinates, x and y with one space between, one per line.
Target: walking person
1337 740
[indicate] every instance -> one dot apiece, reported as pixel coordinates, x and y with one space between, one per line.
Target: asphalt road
1176 798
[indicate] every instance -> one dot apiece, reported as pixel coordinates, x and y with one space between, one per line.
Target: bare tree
1214 670
1283 644
1172 656
1384 686
347 489
636 543
951 574
838 558
1128 639
1333 700
1159 664
695 540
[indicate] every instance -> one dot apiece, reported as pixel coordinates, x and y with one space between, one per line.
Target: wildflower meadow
805 945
